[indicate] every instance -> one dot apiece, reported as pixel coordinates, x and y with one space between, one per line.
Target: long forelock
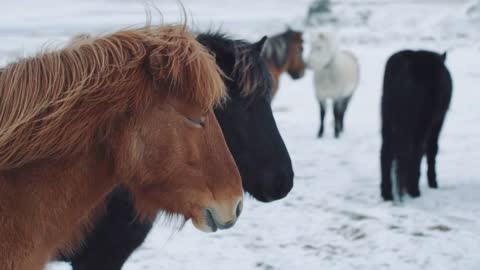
191 70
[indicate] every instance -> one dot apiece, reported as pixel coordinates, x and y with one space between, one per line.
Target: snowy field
334 217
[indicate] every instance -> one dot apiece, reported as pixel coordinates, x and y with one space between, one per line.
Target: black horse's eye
198 123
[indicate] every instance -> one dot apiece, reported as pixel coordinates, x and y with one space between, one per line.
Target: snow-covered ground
334 217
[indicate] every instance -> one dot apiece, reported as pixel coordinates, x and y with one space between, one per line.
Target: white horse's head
323 48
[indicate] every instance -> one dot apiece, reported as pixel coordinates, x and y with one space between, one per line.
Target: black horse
251 135
417 89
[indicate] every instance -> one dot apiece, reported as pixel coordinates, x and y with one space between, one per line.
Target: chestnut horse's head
172 153
175 154
182 164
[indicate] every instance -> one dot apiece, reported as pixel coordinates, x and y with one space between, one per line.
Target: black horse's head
247 119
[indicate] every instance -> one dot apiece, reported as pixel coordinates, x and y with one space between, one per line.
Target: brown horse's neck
275 72
65 195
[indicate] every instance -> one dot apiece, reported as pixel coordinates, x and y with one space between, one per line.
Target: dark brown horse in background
283 52
133 108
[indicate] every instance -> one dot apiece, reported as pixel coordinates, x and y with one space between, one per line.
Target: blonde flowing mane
59 103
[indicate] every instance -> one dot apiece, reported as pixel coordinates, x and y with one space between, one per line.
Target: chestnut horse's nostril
210 220
239 208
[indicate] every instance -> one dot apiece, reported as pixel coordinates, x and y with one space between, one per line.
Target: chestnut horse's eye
198 123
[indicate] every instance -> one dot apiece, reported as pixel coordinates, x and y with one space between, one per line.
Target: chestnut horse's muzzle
220 216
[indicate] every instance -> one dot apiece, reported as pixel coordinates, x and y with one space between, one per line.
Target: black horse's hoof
387 196
414 194
433 185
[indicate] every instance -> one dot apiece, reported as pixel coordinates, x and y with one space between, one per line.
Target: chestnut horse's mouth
210 221
214 225
219 218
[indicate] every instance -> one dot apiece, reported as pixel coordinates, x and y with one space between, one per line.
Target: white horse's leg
323 108
339 107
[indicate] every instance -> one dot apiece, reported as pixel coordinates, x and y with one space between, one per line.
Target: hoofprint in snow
334 217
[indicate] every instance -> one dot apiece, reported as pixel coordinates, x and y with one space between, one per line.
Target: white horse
336 75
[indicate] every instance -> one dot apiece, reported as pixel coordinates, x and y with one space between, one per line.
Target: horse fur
336 76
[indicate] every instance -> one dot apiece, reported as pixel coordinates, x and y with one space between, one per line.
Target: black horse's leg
403 162
414 172
432 150
386 159
323 107
114 238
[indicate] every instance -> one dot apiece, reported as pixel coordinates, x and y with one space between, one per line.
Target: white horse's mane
336 72
324 47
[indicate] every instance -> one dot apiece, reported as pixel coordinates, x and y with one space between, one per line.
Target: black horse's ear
259 45
444 56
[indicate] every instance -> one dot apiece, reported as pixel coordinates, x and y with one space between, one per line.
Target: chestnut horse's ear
259 45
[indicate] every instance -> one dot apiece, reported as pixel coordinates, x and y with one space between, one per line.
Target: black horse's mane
250 76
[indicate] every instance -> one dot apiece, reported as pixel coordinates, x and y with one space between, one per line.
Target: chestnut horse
260 154
134 108
283 52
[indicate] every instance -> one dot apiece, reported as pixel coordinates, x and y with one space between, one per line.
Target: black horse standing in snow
251 135
417 89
